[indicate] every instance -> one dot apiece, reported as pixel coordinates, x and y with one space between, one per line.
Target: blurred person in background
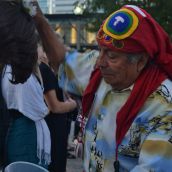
57 118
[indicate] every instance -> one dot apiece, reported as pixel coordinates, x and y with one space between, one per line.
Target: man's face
116 68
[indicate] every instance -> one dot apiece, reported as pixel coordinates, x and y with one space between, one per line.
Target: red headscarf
133 30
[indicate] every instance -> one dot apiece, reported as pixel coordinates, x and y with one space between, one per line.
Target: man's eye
111 55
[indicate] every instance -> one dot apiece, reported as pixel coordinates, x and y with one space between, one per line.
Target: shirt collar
125 89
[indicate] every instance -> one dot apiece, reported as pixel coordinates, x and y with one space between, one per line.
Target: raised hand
31 6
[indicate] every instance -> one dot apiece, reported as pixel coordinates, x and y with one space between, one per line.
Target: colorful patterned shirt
146 147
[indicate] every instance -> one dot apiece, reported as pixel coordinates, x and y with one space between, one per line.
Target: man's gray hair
135 57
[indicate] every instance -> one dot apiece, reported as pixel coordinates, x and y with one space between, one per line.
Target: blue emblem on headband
121 24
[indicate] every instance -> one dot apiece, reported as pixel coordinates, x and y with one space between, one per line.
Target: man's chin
108 80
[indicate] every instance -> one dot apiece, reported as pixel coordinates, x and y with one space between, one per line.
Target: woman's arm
57 106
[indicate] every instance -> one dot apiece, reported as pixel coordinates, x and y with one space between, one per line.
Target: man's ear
142 62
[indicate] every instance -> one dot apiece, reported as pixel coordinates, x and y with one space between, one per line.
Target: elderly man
130 121
127 98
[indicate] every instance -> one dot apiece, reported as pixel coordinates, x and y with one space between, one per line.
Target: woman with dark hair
28 136
18 41
18 48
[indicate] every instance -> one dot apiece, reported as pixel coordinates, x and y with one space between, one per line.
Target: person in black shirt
57 118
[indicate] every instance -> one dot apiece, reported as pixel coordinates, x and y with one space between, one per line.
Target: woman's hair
18 41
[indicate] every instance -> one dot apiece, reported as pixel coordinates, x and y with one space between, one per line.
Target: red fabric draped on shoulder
149 80
90 91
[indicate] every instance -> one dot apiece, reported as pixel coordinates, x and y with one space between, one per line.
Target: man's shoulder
165 90
91 53
77 58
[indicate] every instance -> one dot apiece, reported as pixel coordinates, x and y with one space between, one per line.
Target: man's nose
102 61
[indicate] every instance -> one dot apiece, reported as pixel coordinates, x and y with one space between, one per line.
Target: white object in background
22 166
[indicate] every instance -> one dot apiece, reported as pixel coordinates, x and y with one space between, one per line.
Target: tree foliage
98 10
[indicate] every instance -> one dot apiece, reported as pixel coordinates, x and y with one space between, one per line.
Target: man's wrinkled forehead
106 49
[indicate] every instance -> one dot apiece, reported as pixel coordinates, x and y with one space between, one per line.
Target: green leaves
98 10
